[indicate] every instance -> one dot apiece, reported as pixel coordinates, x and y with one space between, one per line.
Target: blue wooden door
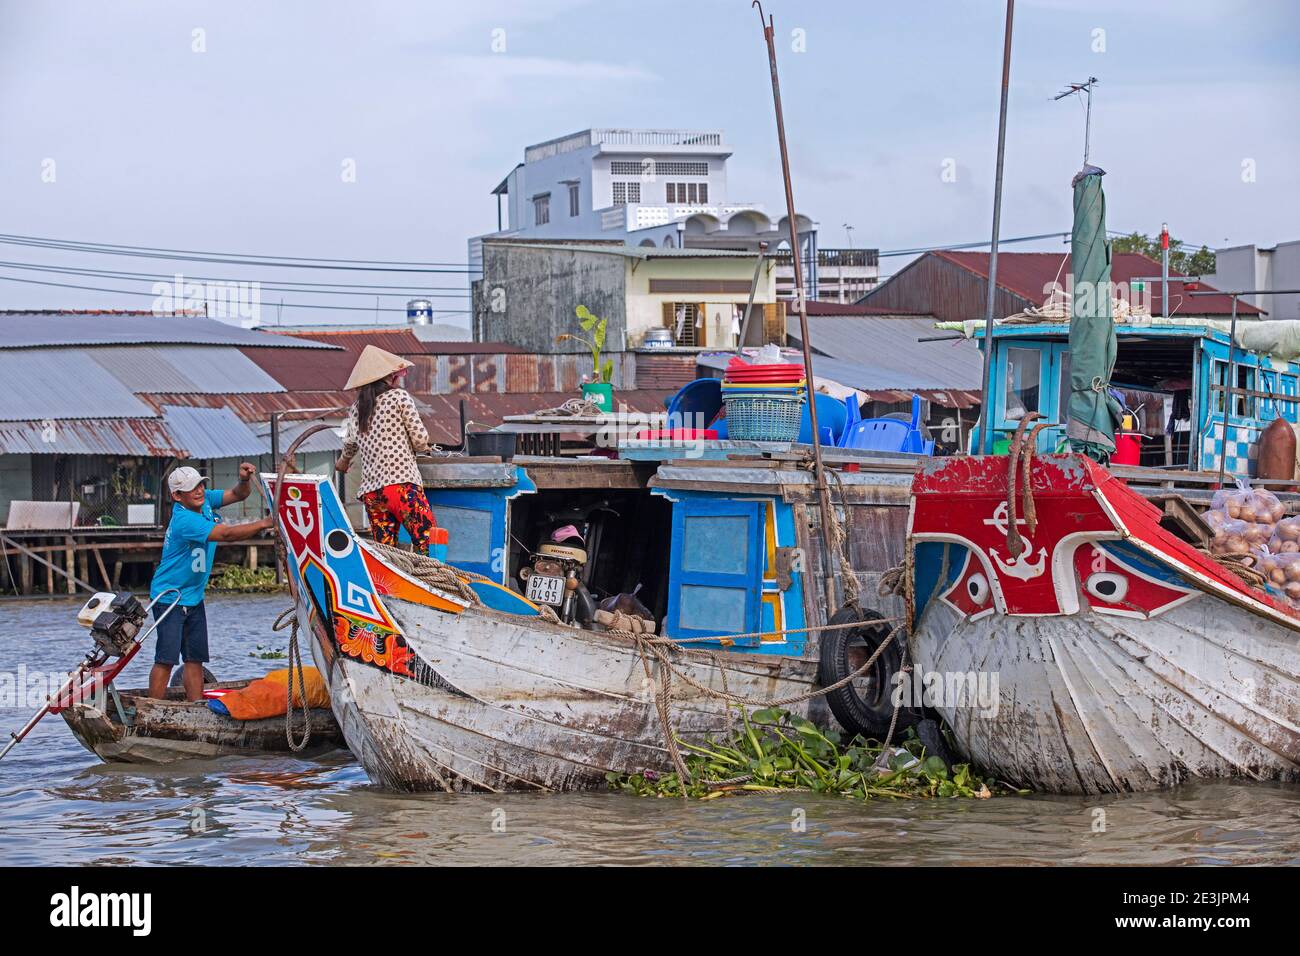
1032 376
716 567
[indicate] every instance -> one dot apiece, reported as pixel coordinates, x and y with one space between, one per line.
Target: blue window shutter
476 529
716 568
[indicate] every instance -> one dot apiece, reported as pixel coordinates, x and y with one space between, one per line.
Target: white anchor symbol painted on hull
1019 568
299 518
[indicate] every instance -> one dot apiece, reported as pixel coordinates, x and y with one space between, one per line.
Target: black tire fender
845 649
178 676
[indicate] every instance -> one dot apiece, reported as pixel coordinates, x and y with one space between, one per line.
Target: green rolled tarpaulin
1094 412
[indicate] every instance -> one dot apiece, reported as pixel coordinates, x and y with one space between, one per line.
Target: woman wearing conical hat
385 428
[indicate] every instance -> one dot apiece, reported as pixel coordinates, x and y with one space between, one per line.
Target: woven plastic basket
764 417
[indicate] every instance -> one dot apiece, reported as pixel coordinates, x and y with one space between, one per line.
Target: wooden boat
434 690
145 730
1123 657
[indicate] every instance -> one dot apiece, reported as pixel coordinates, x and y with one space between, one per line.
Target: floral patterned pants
394 505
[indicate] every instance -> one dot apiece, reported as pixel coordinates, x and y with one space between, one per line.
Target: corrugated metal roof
1027 274
402 341
33 330
256 406
321 441
211 432
144 437
818 307
299 370
186 368
61 384
887 353
948 398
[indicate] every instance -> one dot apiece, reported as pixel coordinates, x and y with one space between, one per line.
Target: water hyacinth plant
775 751
239 579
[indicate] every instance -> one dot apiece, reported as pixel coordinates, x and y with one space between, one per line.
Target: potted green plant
597 387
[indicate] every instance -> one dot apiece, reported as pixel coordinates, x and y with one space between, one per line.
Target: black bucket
493 444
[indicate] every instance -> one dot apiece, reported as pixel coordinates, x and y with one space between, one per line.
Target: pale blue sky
239 148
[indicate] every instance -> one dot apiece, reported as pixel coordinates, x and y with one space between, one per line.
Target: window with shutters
541 209
671 189
573 199
704 192
686 319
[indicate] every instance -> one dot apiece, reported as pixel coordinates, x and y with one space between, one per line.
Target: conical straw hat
373 365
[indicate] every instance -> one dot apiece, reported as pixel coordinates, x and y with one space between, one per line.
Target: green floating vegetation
268 653
775 751
237 578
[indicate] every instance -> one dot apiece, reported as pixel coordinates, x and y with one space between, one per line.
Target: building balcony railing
657 137
851 258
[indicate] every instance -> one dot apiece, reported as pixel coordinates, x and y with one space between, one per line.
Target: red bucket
1128 449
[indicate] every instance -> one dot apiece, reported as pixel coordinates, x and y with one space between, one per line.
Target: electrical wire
227 260
111 247
429 292
286 305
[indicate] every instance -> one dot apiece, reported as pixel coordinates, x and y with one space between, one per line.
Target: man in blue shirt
188 549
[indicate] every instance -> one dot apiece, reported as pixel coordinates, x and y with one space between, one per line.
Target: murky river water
60 805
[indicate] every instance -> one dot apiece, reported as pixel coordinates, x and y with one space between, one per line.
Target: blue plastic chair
890 434
832 419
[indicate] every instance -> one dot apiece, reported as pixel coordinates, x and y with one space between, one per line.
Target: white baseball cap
184 478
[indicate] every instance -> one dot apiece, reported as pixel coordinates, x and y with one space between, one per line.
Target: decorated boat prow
1123 657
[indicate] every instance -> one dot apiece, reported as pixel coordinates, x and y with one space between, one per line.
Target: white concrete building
662 188
1255 267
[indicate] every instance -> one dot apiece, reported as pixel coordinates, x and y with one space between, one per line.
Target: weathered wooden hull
519 704
163 731
1114 656
1090 703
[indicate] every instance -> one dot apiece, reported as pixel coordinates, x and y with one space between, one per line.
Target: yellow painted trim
778 619
769 523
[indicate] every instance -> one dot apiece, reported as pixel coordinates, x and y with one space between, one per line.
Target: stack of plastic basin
764 402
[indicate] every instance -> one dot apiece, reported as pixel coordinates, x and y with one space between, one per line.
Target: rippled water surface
59 804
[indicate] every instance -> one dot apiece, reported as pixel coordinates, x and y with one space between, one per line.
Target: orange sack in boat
266 696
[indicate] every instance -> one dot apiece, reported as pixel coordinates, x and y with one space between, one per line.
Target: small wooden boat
145 730
438 690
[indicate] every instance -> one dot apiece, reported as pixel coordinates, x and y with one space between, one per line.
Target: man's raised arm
241 490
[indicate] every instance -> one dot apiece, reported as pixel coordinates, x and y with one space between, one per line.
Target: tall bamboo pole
819 469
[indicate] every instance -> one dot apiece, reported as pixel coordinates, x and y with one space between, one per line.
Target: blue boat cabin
1173 378
703 562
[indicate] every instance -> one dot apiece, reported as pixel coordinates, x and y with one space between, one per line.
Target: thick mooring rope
295 666
848 578
435 573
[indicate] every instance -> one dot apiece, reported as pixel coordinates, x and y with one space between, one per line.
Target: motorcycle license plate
544 589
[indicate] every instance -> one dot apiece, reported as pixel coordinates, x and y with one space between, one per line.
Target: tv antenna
1084 89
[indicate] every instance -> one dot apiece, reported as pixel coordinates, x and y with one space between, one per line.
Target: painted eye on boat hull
339 543
1107 586
977 588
